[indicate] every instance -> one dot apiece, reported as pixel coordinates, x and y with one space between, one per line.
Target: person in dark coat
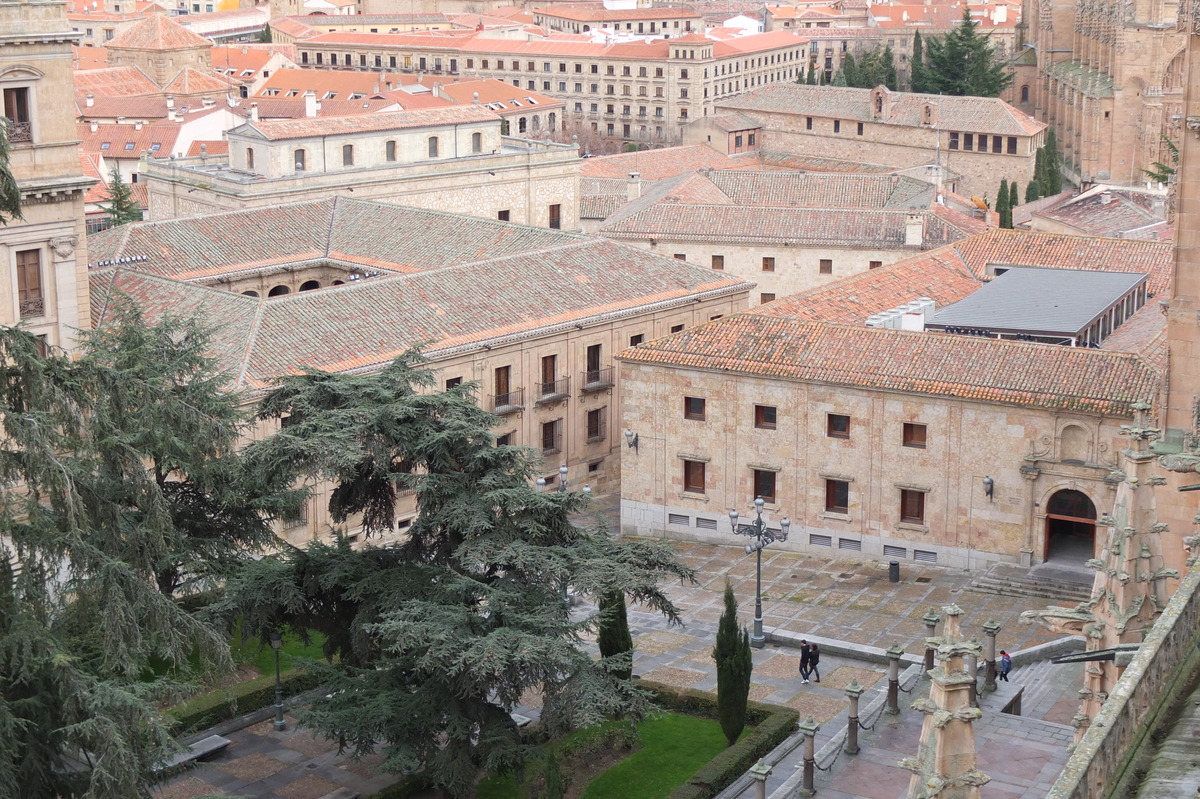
1005 665
805 661
814 657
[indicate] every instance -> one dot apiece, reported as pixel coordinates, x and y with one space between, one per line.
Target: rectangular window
389 151
874 264
750 140
768 264
636 340
718 262
693 408
676 328
452 382
997 144
912 506
556 217
549 367
591 359
837 496
503 385
860 128
29 284
504 215
1012 143
737 140
433 146
506 440
826 266
953 141
693 477
16 110
808 123
766 297
764 485
764 417
837 425
968 141
552 437
914 435
679 256
837 126
595 425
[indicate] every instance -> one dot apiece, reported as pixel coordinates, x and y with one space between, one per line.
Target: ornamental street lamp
276 644
762 536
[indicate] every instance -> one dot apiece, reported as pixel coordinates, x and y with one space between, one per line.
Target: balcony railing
19 131
597 379
511 402
553 389
34 307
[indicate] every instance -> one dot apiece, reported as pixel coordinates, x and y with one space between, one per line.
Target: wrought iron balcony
597 379
553 389
510 402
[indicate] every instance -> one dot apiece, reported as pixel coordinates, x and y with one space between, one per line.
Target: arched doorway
1070 527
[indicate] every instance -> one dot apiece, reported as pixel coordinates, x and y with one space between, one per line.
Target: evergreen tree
1002 208
849 75
963 62
1031 191
98 444
1014 199
916 81
1053 163
613 637
888 69
444 633
121 207
265 34
734 667
555 787
10 193
812 73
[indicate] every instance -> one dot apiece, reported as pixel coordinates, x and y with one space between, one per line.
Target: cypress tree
812 73
1031 191
10 193
1002 208
916 80
121 207
1014 200
734 666
613 636
849 72
1052 165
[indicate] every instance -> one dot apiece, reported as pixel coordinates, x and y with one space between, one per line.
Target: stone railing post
808 728
990 629
931 620
853 692
893 695
759 773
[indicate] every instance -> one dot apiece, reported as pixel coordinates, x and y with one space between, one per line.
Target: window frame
695 408
912 506
834 428
915 435
695 476
766 485
766 417
835 491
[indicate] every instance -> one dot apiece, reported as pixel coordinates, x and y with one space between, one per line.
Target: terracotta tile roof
193 81
124 140
498 92
987 370
211 147
89 57
157 32
982 114
942 16
1113 212
278 129
341 82
950 273
114 82
293 27
293 107
114 107
660 163
733 121
1144 333
601 14
448 280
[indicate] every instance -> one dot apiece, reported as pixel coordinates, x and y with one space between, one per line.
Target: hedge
236 700
772 725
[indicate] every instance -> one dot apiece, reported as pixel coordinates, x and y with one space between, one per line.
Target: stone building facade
642 90
983 140
1109 79
346 286
879 440
451 159
44 254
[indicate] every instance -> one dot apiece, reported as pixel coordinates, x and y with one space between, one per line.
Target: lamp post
277 644
563 471
762 536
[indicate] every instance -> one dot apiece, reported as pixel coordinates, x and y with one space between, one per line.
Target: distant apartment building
452 158
982 140
663 21
638 90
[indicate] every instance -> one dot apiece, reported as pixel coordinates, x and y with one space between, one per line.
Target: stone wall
1103 763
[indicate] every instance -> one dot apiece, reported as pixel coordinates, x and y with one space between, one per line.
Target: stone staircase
1059 586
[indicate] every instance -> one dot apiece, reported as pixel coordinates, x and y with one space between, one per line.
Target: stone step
1005 580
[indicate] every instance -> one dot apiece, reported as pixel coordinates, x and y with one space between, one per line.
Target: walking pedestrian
805 660
814 653
1005 665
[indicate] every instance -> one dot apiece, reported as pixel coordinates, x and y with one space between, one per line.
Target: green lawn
262 656
674 747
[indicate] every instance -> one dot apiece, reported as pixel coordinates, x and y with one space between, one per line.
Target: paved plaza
830 599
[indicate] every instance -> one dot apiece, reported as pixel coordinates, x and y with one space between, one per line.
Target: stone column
971 663
893 695
759 773
990 630
931 620
853 692
808 728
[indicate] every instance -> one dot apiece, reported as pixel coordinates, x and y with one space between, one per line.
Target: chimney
245 49
474 98
914 230
208 102
170 101
317 102
138 125
91 99
95 126
171 116
253 112
120 120
1105 198
633 189
310 104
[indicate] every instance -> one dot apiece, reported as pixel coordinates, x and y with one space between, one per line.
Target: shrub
227 703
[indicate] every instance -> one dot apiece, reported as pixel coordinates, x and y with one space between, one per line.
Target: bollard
853 692
893 695
991 629
759 773
931 620
894 571
808 728
971 664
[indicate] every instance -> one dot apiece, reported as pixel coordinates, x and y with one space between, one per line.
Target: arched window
537 122
338 283
389 151
553 122
521 123
1024 94
476 142
249 158
347 155
250 293
279 291
433 147
310 285
299 157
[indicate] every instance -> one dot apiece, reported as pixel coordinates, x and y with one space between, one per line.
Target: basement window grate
924 556
850 544
820 540
894 552
678 518
706 524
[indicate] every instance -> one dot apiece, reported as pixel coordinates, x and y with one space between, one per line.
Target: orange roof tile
157 32
275 130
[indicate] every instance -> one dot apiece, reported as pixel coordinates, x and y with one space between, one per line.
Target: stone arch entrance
1070 527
